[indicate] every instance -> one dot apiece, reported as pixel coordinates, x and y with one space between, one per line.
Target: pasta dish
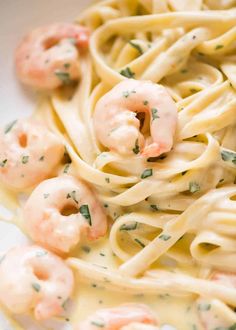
127 169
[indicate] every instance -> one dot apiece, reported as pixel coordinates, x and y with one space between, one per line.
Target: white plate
17 17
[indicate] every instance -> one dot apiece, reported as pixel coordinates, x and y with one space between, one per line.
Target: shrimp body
48 56
28 153
119 318
213 313
118 128
139 326
60 211
34 279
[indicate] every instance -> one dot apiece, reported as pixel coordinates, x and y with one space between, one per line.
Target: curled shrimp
60 211
213 313
28 153
34 279
48 56
119 318
118 128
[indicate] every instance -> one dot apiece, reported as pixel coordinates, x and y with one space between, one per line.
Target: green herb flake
201 54
154 208
129 226
41 253
232 327
228 156
66 65
98 324
136 46
66 169
127 73
36 287
136 149
3 163
218 47
145 102
25 159
184 71
84 210
154 113
164 237
72 195
194 327
102 254
148 172
45 196
184 172
41 159
86 249
126 94
194 187
107 180
106 205
139 242
64 77
9 126
204 307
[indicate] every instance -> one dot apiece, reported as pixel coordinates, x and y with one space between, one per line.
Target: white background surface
17 17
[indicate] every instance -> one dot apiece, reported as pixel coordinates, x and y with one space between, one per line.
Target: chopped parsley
218 47
25 159
136 149
126 94
184 71
145 102
130 226
154 113
184 172
164 237
36 287
232 327
98 324
3 163
102 254
107 180
204 307
41 159
106 205
64 77
72 195
194 187
136 46
66 65
228 156
41 253
86 248
45 196
127 73
66 169
84 210
139 242
154 207
9 126
146 173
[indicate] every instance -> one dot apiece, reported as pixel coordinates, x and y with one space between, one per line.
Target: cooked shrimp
34 279
48 56
139 326
119 317
213 313
118 128
28 153
60 211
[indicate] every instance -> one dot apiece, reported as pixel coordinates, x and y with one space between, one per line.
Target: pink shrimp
48 57
118 128
28 153
60 211
34 279
119 317
213 313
